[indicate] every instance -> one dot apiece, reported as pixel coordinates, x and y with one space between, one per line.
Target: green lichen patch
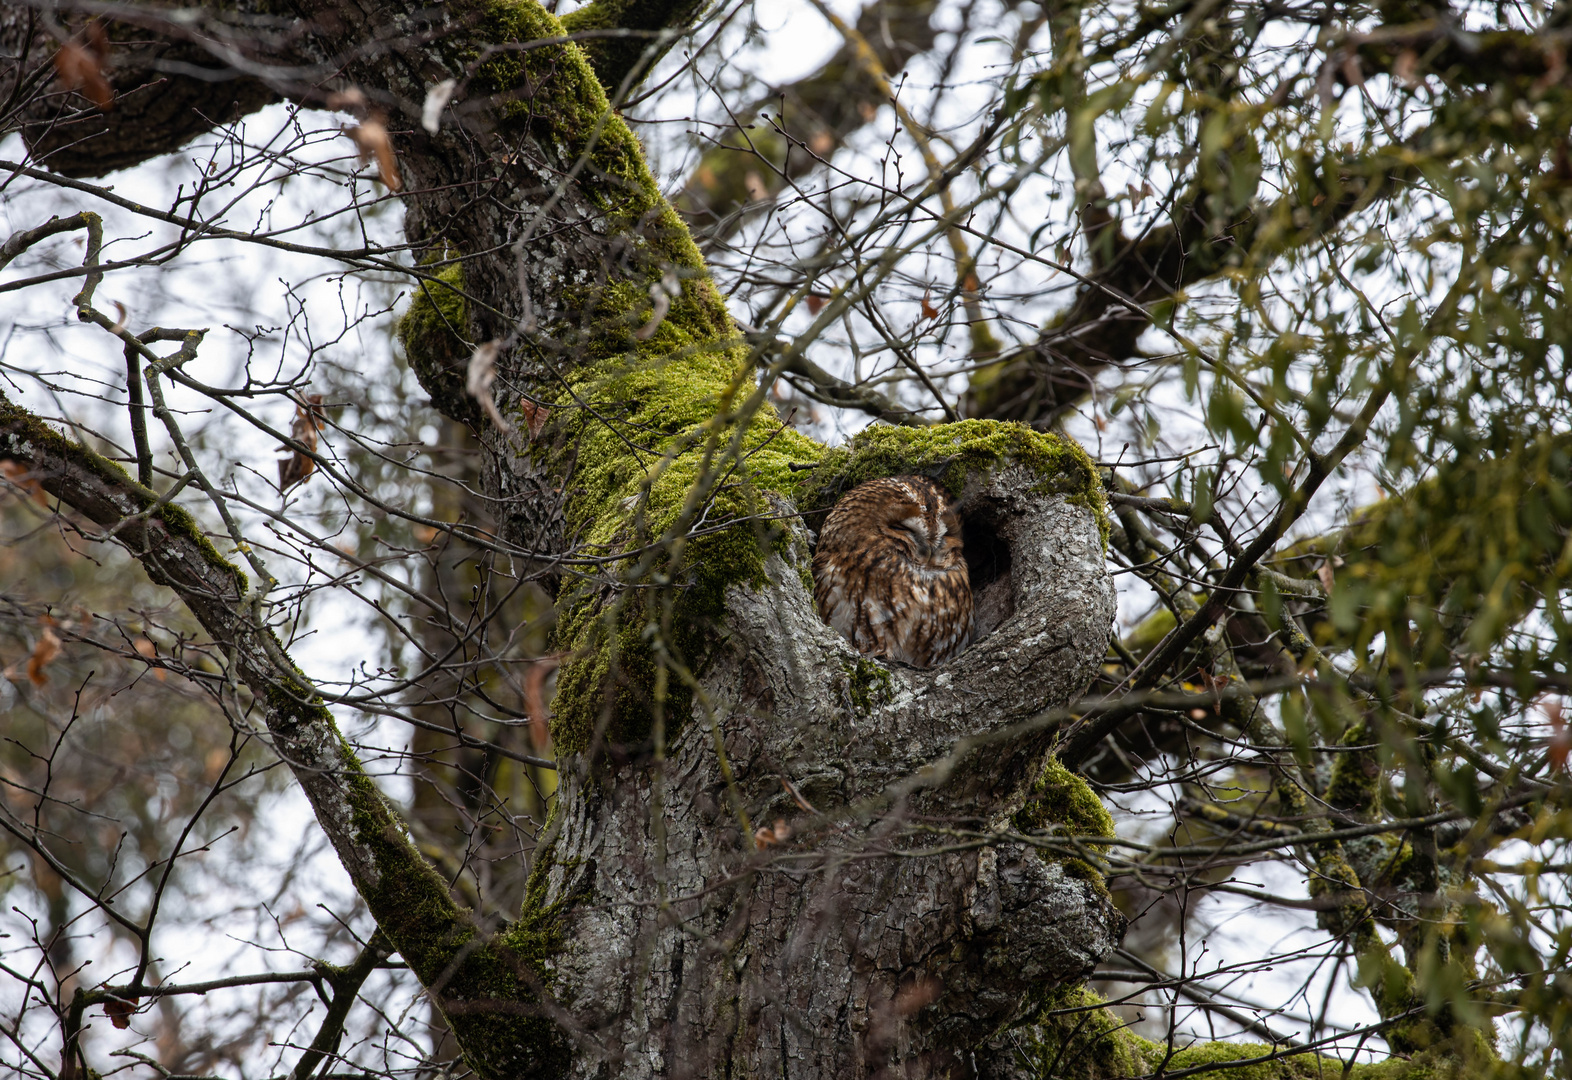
950 453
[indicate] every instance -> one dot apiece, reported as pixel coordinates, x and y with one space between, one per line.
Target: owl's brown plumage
889 572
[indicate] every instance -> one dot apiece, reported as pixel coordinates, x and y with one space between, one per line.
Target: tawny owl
889 573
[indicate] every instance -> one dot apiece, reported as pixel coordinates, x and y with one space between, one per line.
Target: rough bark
846 952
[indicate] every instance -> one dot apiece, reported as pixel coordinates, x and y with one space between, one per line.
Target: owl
889 573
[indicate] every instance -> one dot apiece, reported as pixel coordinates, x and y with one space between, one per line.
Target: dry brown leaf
928 310
918 995
535 417
304 429
535 701
120 1011
352 100
83 72
213 764
1405 68
1140 194
1560 741
758 191
45 650
816 302
148 651
20 477
1324 572
772 837
371 137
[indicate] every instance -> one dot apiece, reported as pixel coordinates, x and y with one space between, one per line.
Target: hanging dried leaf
437 99
45 650
1560 740
148 650
772 837
81 71
371 137
352 100
535 417
304 429
17 476
1324 572
535 701
816 302
482 373
120 1011
928 310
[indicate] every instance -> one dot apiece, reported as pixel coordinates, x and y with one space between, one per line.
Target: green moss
1075 1036
553 95
671 403
1059 796
867 685
949 453
431 333
613 58
19 428
1354 786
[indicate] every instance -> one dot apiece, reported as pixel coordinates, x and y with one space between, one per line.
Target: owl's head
916 515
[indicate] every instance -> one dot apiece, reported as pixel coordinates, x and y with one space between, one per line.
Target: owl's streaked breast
890 574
